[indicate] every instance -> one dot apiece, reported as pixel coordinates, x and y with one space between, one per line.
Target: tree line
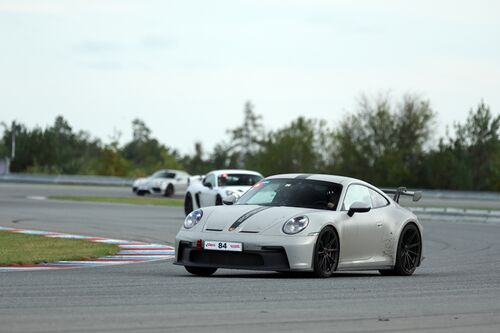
383 142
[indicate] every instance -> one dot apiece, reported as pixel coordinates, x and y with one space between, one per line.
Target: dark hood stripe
246 216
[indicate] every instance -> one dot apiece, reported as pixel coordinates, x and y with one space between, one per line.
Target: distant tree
196 164
145 153
470 159
222 158
112 163
245 140
55 149
294 148
140 132
384 144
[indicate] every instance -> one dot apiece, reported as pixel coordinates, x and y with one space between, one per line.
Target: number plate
223 246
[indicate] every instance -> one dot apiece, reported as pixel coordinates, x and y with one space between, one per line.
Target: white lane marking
36 197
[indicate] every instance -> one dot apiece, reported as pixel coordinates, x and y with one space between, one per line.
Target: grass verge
20 249
123 200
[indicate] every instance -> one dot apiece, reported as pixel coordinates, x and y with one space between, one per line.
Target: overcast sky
187 67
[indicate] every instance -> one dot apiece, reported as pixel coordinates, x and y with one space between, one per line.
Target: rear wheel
326 253
201 271
408 253
141 193
188 204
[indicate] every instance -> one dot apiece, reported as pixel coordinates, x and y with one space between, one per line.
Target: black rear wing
417 195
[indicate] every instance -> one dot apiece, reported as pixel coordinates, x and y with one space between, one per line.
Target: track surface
457 289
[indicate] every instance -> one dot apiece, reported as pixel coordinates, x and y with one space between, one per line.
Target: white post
13 152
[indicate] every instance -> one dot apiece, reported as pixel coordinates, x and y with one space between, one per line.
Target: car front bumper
270 253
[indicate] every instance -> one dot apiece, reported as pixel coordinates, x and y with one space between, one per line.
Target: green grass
123 200
20 249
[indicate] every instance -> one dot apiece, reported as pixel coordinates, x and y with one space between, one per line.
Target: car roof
239 171
169 170
344 181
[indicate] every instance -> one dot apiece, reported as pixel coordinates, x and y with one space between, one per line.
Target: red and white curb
130 252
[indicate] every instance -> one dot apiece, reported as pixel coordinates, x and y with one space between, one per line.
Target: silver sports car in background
218 185
304 222
163 182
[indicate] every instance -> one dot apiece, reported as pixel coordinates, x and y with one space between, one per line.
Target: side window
356 193
377 199
210 178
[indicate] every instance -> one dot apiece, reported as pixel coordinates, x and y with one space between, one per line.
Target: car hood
249 218
140 181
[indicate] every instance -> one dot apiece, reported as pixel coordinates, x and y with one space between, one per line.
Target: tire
169 191
408 253
141 193
326 253
188 204
218 201
200 271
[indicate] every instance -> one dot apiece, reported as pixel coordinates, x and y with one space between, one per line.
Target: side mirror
209 185
358 207
229 200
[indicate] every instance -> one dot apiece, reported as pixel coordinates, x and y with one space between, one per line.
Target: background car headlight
295 225
229 192
193 218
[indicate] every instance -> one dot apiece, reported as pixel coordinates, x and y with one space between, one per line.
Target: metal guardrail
457 214
65 179
465 195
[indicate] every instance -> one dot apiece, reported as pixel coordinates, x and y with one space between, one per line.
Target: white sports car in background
162 182
304 222
218 185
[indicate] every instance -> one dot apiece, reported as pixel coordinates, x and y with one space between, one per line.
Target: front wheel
200 271
408 253
326 253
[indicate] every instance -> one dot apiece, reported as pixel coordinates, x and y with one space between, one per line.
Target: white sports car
218 185
304 222
162 182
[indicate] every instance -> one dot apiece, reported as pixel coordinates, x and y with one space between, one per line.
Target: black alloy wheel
169 191
408 253
326 253
188 204
201 271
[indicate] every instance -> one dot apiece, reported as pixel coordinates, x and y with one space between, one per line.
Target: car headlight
193 218
295 225
229 192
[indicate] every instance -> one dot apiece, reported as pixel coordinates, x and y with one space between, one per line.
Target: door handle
380 224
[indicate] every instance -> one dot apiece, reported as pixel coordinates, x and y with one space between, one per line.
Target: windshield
293 192
163 174
235 179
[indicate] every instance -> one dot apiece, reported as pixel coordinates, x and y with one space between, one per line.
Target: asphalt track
457 289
